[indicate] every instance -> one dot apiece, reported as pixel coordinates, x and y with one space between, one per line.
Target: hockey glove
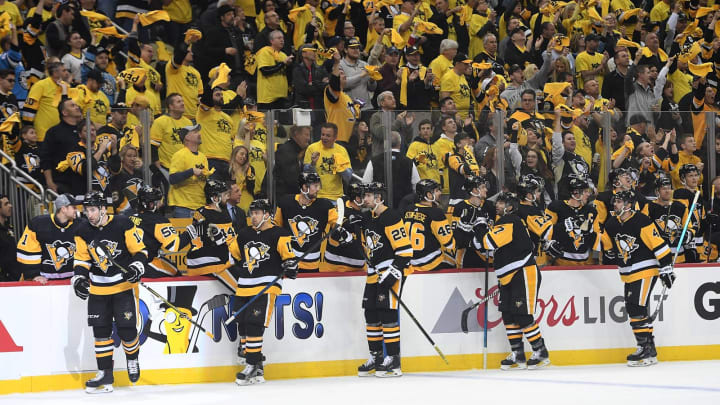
355 219
215 234
81 286
290 268
389 277
708 249
691 253
667 276
340 235
467 220
135 271
609 257
552 247
195 230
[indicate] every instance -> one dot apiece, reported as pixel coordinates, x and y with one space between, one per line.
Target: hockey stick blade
153 292
341 211
657 310
466 311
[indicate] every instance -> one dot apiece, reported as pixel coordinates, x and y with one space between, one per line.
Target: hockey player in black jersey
112 292
347 255
262 252
619 180
46 248
389 252
668 215
574 225
530 189
632 242
519 279
158 233
308 219
693 246
428 229
468 214
212 232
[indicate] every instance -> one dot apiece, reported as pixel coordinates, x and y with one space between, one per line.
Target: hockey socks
391 337
374 333
642 328
131 348
253 349
514 335
104 353
534 337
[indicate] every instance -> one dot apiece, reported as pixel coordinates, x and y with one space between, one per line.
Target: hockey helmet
376 187
307 178
214 188
527 185
686 169
512 204
355 190
634 176
472 182
627 197
260 205
95 199
425 186
146 196
662 181
578 183
615 174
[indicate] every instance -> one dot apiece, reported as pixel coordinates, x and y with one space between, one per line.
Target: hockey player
263 253
212 232
460 164
633 242
574 225
389 252
476 211
112 291
519 279
47 246
307 218
620 180
530 189
158 233
348 256
428 229
693 247
668 215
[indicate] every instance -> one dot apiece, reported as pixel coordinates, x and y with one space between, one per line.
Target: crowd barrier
318 327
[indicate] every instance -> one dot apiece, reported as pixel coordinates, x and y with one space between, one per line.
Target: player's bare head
94 206
310 184
328 134
260 213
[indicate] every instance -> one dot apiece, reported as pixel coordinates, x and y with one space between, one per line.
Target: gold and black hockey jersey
538 225
121 239
307 224
669 221
461 163
347 257
465 254
206 256
697 217
259 256
430 237
574 228
510 240
158 234
386 243
604 208
637 246
75 161
46 248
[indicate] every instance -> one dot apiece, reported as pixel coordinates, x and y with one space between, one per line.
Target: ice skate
102 382
368 368
133 369
252 374
539 359
642 357
514 361
390 367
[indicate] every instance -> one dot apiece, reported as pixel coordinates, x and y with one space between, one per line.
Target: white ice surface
687 383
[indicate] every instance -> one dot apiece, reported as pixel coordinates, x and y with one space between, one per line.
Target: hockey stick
709 231
485 320
677 250
341 216
466 311
153 292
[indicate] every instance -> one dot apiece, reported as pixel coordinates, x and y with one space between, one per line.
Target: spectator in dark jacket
288 161
309 80
59 141
9 269
223 43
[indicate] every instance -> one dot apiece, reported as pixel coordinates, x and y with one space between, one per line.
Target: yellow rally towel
111 31
593 14
646 52
373 72
702 69
91 15
253 116
560 41
397 39
192 35
7 125
297 10
154 16
162 52
629 44
703 11
133 75
220 75
429 28
403 83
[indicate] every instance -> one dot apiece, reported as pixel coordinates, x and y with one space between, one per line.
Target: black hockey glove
215 234
552 247
135 271
389 277
81 286
355 219
290 268
196 230
468 220
691 253
667 276
341 235
609 257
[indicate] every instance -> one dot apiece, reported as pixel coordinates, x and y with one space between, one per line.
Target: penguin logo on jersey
260 135
303 228
372 241
32 161
255 252
60 253
626 245
175 136
99 257
669 224
100 107
573 230
579 167
102 176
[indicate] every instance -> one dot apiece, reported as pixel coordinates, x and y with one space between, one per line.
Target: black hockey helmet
615 175
146 196
686 169
214 188
376 187
425 186
355 190
307 178
472 182
95 199
578 183
510 200
626 196
634 176
528 184
662 181
260 205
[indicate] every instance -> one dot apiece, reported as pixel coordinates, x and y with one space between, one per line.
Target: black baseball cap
186 130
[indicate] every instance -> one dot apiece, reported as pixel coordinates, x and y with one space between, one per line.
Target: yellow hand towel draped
91 15
373 72
133 75
192 35
111 31
7 125
404 80
702 69
293 14
152 17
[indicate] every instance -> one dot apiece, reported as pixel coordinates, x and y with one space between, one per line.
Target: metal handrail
17 172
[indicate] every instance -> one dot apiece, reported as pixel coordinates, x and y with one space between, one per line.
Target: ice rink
664 383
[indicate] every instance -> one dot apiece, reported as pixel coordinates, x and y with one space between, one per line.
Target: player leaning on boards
110 291
519 279
428 229
633 243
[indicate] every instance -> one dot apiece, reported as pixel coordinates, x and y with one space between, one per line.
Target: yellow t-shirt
10 8
41 106
217 131
442 147
331 163
621 5
343 114
186 81
272 87
257 162
248 6
164 135
152 96
190 192
682 84
425 160
301 20
459 90
97 102
46 16
241 179
179 11
399 20
585 61
582 144
477 21
440 66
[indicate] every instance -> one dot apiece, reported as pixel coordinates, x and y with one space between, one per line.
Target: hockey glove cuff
667 276
552 247
342 236
290 268
215 234
195 230
389 277
135 271
81 285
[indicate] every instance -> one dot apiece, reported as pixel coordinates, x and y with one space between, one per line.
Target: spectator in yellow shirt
453 84
330 161
188 173
272 84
